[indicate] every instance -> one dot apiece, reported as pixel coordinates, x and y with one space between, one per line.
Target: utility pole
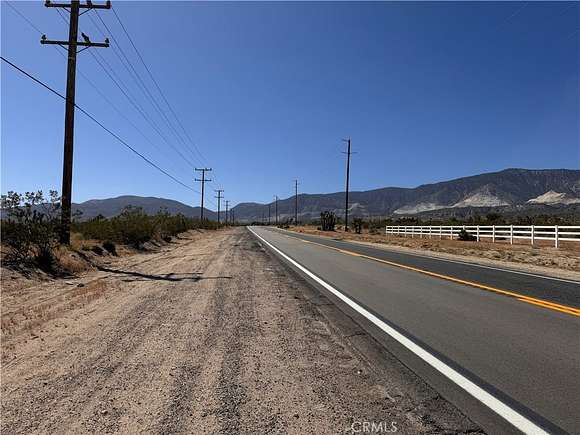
348 153
276 210
233 216
296 202
69 121
203 180
269 213
219 198
227 205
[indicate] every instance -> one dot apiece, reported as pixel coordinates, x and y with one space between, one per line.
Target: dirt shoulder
562 262
209 335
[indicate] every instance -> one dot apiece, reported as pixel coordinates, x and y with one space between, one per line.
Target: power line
24 17
89 81
125 90
143 87
132 100
91 117
155 82
204 160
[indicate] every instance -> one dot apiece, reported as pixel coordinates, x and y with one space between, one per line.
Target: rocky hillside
508 189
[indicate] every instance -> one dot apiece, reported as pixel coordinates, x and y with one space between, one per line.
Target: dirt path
210 335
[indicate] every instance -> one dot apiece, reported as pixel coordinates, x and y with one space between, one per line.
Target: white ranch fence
554 233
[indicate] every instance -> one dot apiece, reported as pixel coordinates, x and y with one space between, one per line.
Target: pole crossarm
79 43
88 5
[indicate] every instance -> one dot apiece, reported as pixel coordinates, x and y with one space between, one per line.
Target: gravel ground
210 334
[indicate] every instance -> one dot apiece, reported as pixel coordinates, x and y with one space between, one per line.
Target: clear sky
427 92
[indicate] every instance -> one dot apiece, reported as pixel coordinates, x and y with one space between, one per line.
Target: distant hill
508 190
511 191
113 206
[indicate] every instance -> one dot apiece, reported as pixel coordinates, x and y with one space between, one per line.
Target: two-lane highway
509 340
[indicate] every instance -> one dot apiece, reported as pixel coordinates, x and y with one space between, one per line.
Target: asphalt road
527 357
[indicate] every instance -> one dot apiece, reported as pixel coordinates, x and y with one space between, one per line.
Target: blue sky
427 92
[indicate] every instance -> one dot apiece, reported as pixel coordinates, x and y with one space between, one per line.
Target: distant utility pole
269 213
219 198
69 120
296 202
233 217
348 153
276 210
227 205
203 180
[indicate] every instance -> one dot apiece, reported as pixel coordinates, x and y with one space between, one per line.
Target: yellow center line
520 297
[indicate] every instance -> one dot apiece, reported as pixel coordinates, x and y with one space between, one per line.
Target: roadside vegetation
30 228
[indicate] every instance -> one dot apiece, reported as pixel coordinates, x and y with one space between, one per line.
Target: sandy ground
563 262
210 334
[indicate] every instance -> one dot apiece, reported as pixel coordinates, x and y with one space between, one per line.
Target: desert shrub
134 227
327 220
30 227
358 225
110 247
465 236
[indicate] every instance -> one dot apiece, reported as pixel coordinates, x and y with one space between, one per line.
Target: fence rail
554 233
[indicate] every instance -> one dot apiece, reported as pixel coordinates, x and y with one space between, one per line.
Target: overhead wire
110 72
101 61
155 82
100 124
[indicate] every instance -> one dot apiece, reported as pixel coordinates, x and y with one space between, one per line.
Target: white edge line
496 405
467 263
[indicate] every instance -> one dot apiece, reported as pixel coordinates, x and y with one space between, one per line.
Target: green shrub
30 228
134 227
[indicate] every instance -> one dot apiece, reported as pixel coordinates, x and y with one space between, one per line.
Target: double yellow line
523 298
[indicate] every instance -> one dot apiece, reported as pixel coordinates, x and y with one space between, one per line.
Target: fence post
478 233
511 234
493 234
451 232
556 236
532 235
440 232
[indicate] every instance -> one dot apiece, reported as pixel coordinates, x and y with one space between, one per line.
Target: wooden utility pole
276 210
348 153
69 120
219 198
296 202
203 180
227 205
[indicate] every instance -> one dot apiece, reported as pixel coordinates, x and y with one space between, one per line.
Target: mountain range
507 190
113 206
